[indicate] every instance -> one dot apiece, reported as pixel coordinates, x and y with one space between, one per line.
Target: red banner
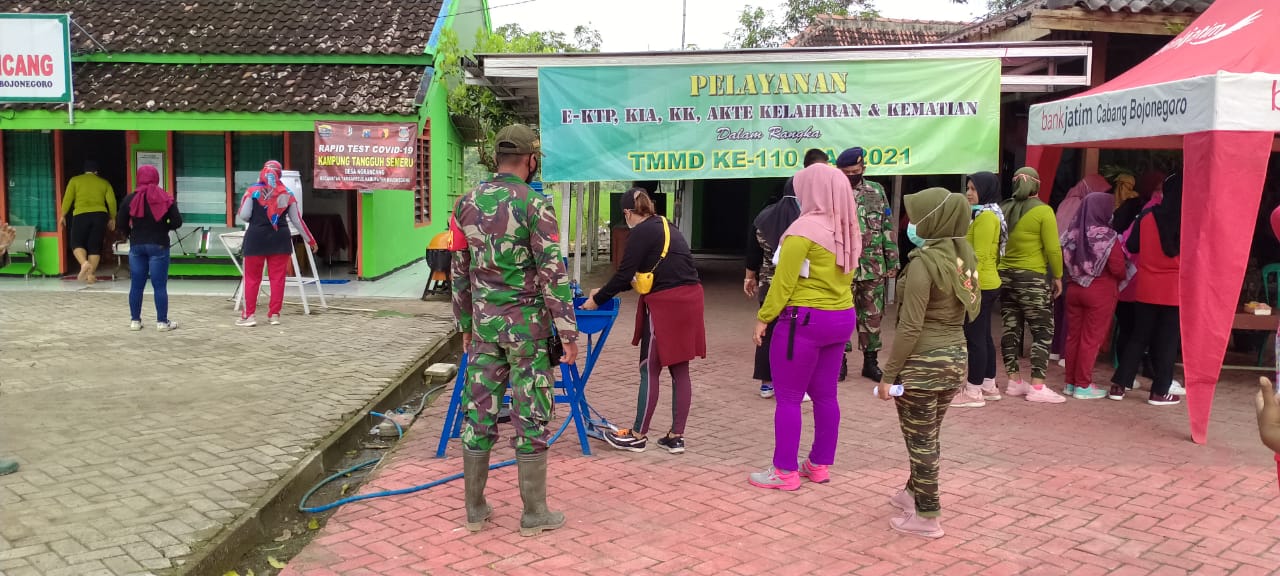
365 156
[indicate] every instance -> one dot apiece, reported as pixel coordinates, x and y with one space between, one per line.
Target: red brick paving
1087 487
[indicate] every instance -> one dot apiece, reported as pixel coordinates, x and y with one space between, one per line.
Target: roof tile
280 88
399 27
833 30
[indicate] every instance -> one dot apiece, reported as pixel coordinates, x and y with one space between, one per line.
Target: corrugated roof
1173 6
832 30
400 27
282 88
1022 12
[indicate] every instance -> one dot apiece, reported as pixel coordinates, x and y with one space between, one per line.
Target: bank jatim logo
1207 33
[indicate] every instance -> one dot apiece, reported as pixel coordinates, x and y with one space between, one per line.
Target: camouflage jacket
509 281
875 217
764 278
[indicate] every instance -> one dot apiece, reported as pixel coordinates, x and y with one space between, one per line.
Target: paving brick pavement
138 447
1085 487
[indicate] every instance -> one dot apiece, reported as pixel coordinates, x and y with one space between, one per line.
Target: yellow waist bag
642 283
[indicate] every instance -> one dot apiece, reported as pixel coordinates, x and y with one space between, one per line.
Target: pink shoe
904 501
990 392
775 479
1045 394
915 525
969 396
816 473
1017 388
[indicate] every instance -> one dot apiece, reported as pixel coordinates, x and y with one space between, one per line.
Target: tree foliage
760 28
479 103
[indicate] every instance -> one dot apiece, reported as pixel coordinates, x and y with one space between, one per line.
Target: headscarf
1125 189
1169 216
275 199
828 214
149 193
774 220
988 187
1149 186
1026 184
1075 196
1088 241
941 220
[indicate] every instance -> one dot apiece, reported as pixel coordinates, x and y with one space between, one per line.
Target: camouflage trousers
490 366
930 381
1026 299
868 300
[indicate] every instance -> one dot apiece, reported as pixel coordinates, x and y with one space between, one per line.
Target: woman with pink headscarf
1066 215
812 301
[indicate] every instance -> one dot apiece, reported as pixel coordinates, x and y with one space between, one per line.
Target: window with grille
200 167
248 153
28 166
422 190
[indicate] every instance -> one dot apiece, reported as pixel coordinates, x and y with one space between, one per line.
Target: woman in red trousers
267 241
1097 271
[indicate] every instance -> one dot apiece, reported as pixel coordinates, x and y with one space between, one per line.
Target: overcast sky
655 24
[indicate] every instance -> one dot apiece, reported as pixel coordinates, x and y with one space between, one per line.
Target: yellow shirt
984 236
826 288
89 193
1033 244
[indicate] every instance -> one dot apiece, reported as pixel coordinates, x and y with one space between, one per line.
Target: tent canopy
1213 91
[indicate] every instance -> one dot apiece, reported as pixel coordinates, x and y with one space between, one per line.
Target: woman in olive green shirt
936 296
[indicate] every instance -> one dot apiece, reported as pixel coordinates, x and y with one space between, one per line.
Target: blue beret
850 157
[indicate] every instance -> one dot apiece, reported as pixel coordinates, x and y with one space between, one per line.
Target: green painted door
28 167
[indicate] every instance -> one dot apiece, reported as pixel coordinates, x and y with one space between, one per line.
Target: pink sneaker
990 392
816 473
775 479
1017 388
904 501
1045 394
969 396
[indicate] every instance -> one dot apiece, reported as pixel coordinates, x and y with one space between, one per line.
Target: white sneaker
1054 357
273 320
135 325
1062 363
807 398
1176 389
247 322
166 326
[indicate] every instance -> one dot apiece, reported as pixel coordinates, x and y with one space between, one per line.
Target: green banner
757 120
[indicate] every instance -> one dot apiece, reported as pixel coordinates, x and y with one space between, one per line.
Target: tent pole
577 239
896 202
593 221
564 219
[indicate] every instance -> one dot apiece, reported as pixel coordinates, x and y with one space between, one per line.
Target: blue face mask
271 180
911 235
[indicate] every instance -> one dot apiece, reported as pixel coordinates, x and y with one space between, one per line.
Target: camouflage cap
517 139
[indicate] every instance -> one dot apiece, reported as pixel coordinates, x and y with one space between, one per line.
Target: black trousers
1156 330
763 371
1126 317
977 335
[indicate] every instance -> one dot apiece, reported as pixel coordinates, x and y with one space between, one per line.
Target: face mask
911 235
855 181
271 180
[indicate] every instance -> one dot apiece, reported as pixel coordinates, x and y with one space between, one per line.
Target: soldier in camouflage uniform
509 285
878 264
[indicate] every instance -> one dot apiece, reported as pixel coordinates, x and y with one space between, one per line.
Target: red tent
1214 92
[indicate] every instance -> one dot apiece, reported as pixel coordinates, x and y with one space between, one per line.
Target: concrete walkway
138 447
1086 487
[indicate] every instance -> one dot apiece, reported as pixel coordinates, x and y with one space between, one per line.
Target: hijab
988 187
774 220
828 214
276 200
941 220
1026 184
149 194
1168 216
1075 196
1088 241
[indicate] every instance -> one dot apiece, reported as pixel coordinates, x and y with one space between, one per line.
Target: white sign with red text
35 58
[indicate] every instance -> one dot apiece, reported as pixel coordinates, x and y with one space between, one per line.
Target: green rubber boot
533 490
475 474
8 466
